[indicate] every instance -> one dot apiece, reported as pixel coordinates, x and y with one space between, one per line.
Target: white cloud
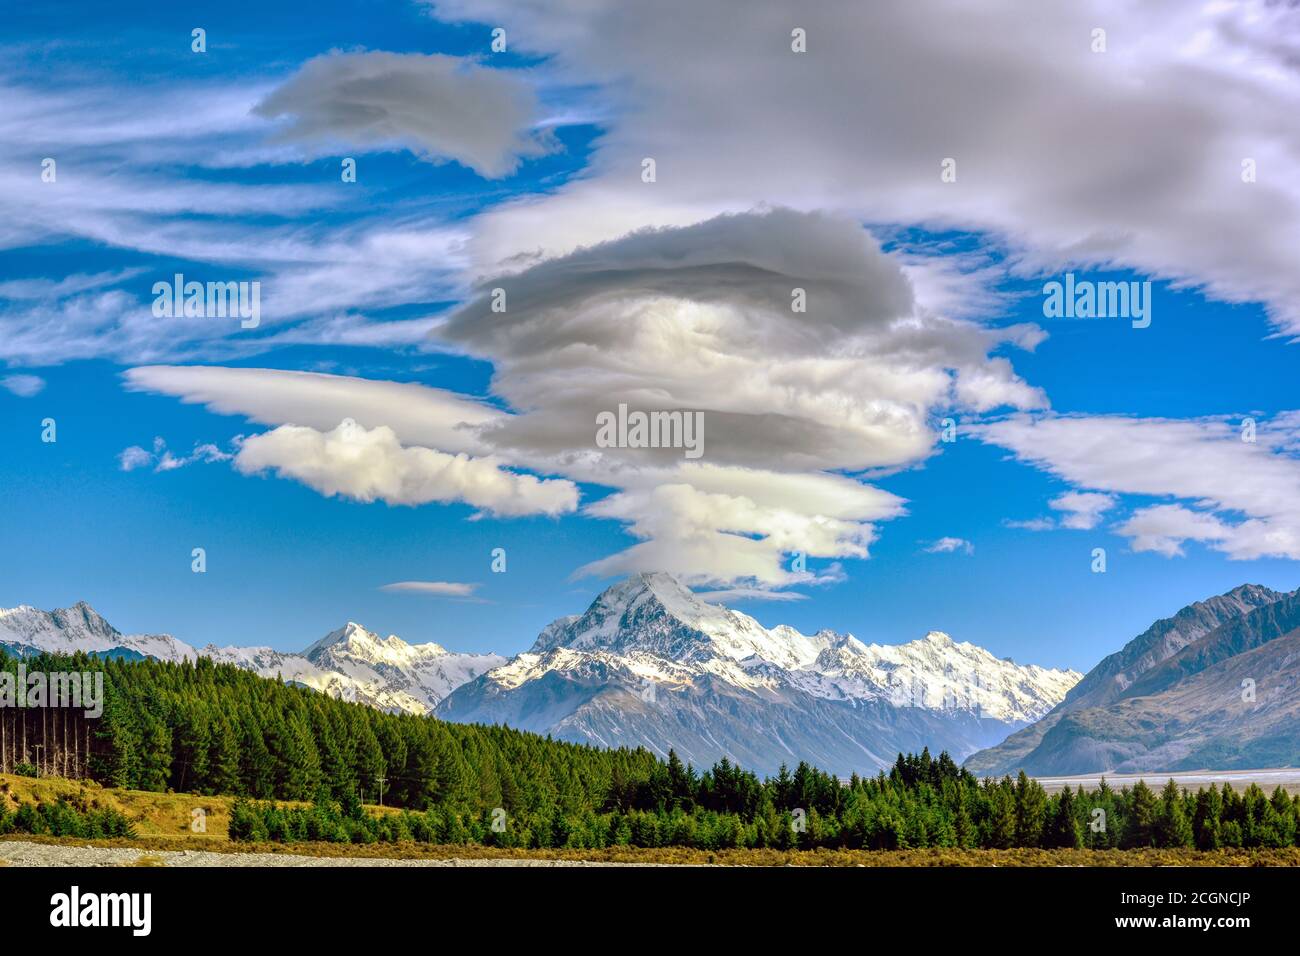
435 588
1083 510
416 414
742 534
24 386
371 464
162 459
1238 497
1032 524
1164 528
728 595
950 545
370 440
134 457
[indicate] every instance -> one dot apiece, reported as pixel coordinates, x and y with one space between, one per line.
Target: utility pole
381 780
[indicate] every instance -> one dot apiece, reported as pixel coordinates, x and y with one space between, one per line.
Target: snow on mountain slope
649 663
425 672
667 632
351 662
80 628
652 663
938 672
655 613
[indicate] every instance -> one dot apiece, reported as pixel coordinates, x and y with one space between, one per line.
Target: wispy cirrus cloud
128 175
1239 497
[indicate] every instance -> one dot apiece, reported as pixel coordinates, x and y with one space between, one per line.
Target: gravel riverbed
19 853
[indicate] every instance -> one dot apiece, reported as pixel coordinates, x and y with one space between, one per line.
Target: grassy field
162 822
155 815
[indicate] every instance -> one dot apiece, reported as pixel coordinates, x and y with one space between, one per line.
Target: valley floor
1288 777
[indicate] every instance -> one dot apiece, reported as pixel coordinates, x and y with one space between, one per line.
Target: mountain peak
1254 594
662 585
663 580
349 633
655 613
83 615
354 640
675 596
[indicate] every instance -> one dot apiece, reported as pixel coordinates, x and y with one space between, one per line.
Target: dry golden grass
152 814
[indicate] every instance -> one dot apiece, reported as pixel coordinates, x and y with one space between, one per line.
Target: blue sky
497 170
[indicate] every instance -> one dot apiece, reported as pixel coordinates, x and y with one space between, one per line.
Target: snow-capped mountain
651 663
78 628
351 662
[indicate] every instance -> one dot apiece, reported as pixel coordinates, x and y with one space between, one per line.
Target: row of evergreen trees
62 818
942 806
215 729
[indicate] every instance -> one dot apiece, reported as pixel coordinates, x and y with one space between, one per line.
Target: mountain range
1215 686
650 663
351 663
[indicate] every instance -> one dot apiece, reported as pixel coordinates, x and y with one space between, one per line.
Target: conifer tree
964 830
1172 826
1064 831
1031 811
1002 817
1205 820
1140 828
223 760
